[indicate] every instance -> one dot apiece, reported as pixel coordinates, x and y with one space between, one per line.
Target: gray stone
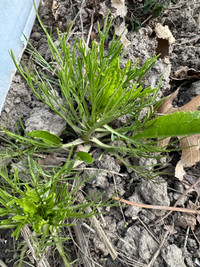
173 256
44 119
132 211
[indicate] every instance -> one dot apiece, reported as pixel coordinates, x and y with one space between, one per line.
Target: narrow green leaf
46 137
84 156
176 124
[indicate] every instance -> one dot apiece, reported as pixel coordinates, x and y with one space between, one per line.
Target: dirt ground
134 232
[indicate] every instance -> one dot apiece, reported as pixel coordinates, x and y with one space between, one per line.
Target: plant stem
99 143
60 249
73 143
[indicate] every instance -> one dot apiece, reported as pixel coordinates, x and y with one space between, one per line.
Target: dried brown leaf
185 73
164 142
190 151
121 30
120 8
54 8
166 107
179 171
163 32
191 106
187 220
51 160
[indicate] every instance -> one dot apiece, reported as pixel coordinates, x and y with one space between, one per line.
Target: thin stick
83 246
95 224
149 17
186 237
148 230
156 207
196 238
177 202
79 246
159 249
91 25
104 238
42 261
73 22
2 264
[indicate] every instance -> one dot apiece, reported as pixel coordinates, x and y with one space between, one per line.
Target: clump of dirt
131 230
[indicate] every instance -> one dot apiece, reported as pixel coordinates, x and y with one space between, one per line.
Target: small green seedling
44 201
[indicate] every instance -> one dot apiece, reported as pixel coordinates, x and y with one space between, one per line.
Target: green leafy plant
155 7
89 89
176 124
45 201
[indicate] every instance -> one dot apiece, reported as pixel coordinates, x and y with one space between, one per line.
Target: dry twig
156 207
95 224
177 202
91 25
151 263
42 261
147 229
74 20
2 264
83 246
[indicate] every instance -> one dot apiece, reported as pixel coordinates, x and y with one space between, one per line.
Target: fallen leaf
179 171
190 144
120 8
190 151
185 73
191 106
187 220
51 160
166 107
164 39
122 31
54 8
163 32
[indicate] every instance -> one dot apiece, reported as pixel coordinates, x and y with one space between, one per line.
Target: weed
43 200
90 89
